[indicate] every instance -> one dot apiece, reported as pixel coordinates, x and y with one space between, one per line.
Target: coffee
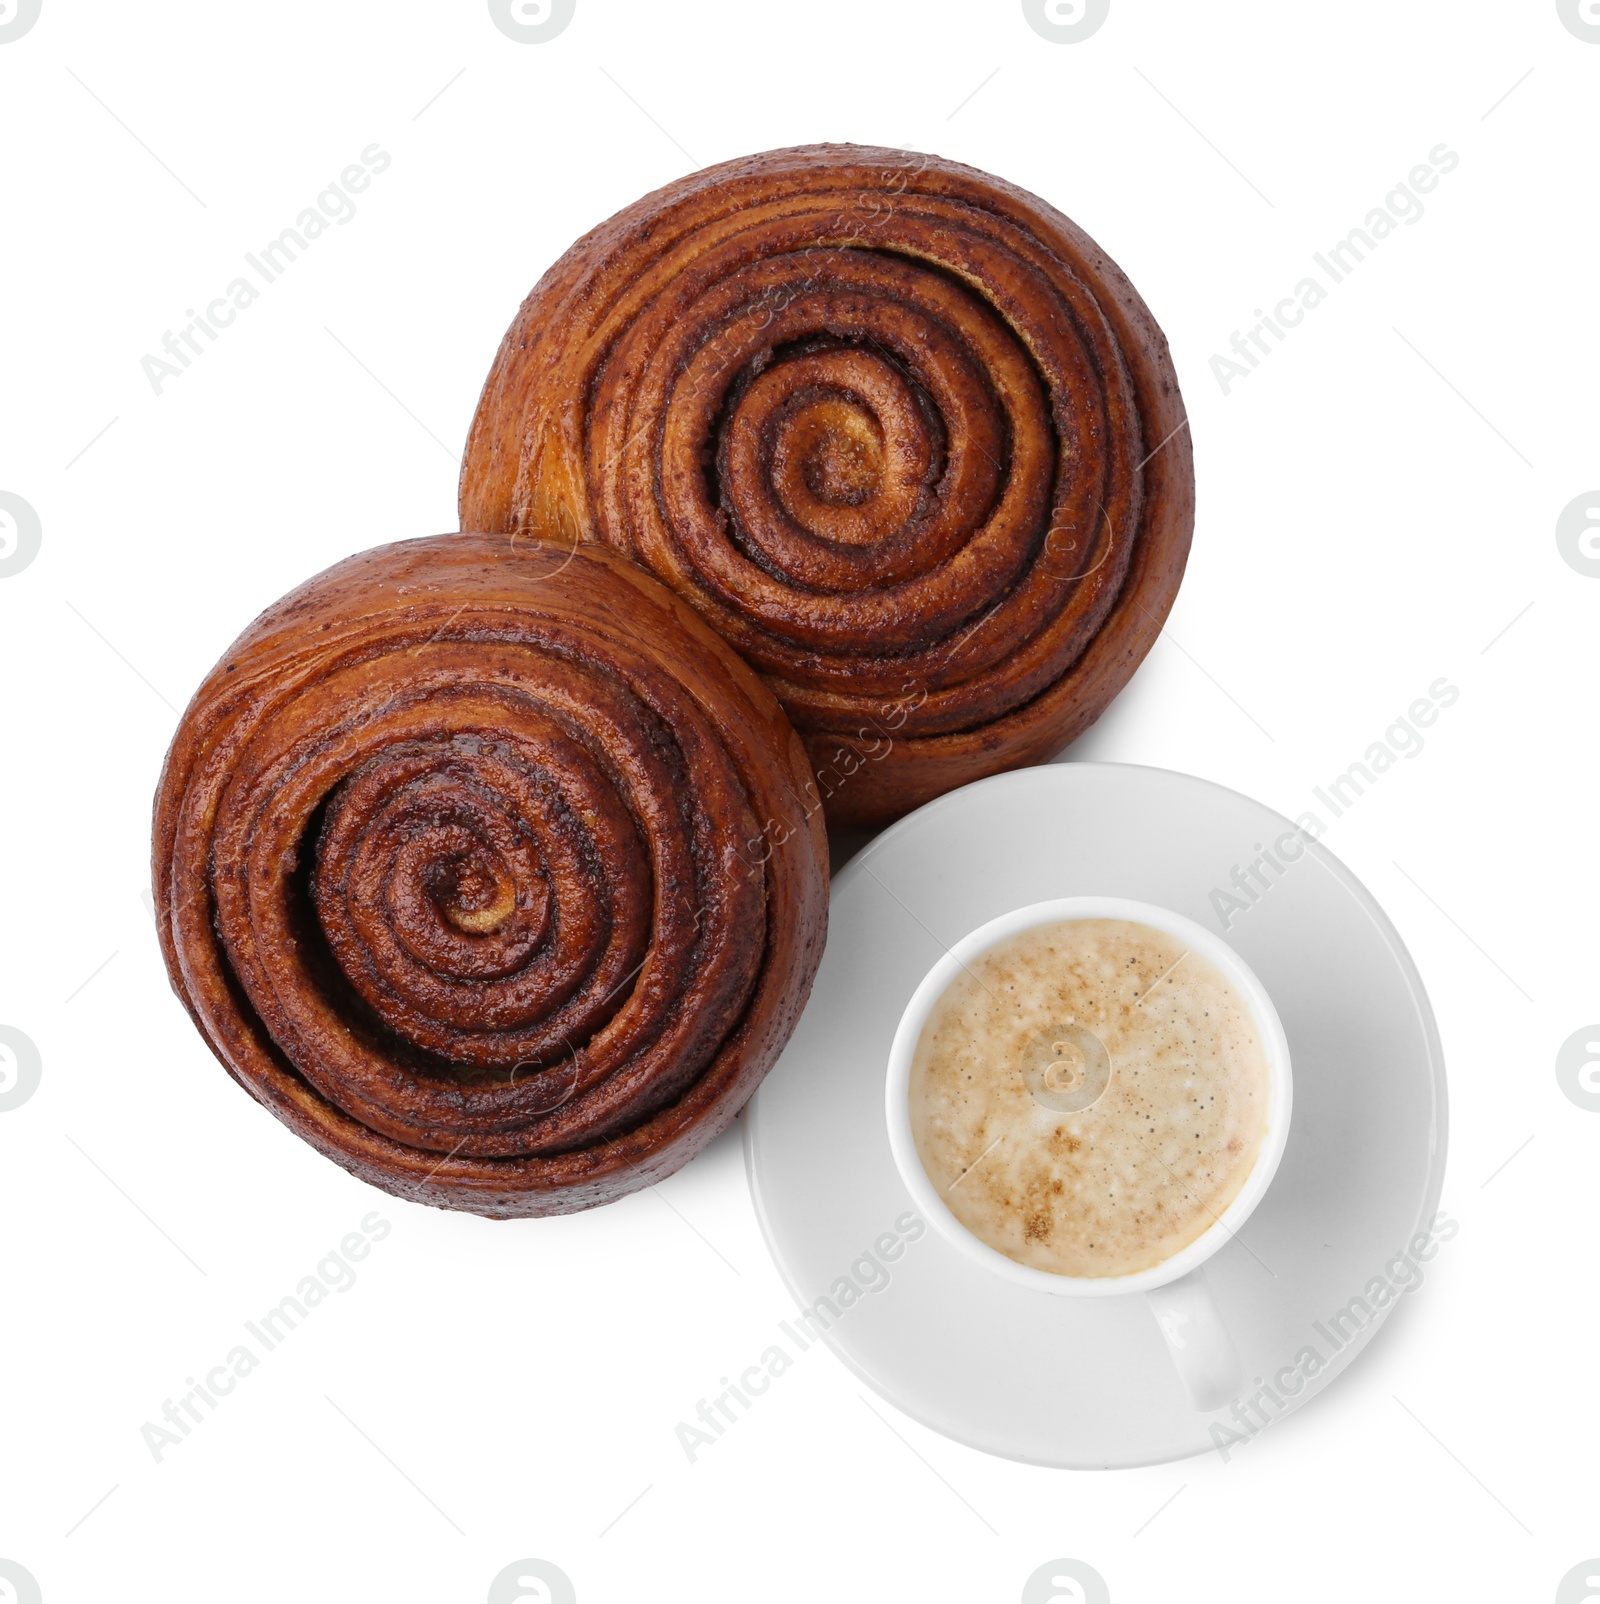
1088 1096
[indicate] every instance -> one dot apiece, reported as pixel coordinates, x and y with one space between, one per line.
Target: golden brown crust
900 431
486 867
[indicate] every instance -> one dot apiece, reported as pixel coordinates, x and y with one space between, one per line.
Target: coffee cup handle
1207 1361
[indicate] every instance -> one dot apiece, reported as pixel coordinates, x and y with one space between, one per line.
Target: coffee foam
1080 1162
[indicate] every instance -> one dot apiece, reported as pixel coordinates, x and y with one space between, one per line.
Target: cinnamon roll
486 867
899 431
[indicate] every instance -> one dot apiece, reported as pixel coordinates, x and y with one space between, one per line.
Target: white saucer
1086 1382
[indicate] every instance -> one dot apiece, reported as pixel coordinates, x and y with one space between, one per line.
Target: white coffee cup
1204 1353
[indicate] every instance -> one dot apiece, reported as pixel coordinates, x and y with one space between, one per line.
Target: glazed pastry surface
898 430
486 867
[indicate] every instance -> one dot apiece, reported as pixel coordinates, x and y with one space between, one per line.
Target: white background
1377 504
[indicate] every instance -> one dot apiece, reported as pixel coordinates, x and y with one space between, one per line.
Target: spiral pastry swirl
485 866
899 431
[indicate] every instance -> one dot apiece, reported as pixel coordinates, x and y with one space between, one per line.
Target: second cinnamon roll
484 865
